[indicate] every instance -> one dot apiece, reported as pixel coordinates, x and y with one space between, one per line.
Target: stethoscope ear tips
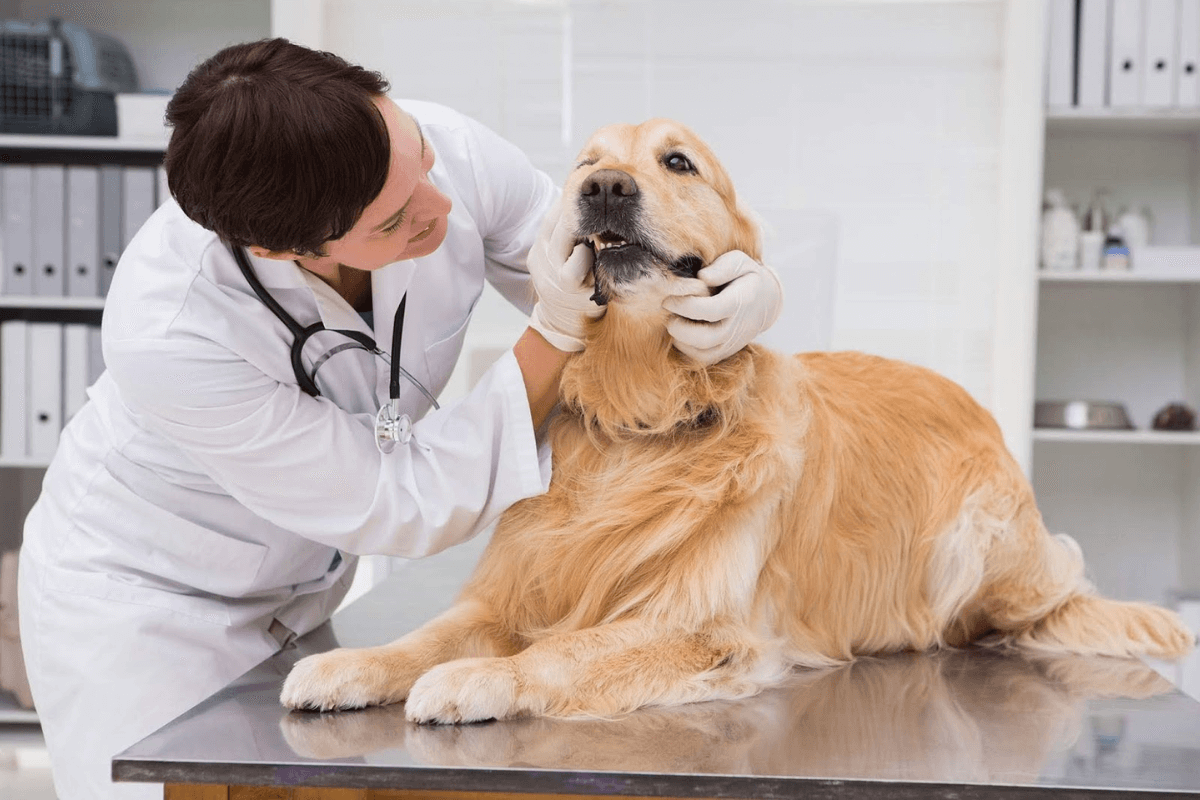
391 427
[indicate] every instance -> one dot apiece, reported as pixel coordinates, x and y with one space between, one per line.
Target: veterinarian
207 504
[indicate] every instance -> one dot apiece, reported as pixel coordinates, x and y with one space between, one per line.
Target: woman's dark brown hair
277 145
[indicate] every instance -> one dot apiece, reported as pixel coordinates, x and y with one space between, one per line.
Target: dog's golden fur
706 529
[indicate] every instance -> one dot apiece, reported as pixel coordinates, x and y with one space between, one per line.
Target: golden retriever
707 529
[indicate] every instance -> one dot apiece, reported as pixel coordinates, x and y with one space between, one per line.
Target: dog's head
655 204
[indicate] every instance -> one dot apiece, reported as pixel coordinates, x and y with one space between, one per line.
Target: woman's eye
395 226
678 163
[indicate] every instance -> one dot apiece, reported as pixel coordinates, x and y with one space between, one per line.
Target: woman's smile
424 233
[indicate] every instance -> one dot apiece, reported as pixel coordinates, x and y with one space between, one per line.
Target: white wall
885 116
165 38
879 122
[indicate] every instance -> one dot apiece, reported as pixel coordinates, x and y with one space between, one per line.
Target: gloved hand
715 327
560 271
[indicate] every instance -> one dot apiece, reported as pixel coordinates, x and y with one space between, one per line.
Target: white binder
14 389
75 368
138 201
49 212
1160 60
83 231
95 359
1060 55
18 229
162 191
45 403
1093 53
110 224
1189 54
1125 55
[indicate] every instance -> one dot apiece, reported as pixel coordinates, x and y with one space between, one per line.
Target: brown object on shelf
12 660
1174 417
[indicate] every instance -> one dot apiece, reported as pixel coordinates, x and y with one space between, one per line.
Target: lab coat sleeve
307 466
514 196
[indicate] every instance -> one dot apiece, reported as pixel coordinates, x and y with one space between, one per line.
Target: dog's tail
1088 624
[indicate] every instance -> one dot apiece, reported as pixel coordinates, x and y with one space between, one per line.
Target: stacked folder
1124 54
63 229
66 225
45 370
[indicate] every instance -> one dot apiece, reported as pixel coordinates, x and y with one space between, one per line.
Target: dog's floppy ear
747 231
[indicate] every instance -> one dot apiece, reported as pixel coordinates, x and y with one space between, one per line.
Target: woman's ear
277 255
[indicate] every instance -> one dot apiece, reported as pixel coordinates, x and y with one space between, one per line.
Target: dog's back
914 527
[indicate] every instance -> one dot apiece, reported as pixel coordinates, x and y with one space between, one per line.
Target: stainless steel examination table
967 724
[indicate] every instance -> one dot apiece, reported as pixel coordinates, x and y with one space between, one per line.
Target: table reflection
974 715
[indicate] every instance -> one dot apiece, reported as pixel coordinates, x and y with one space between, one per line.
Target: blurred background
900 154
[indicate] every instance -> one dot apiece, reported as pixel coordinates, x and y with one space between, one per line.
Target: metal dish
1089 415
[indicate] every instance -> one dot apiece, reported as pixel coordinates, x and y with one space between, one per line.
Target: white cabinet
1132 499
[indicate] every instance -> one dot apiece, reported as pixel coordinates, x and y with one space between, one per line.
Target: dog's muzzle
610 214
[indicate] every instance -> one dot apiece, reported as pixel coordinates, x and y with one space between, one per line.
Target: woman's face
407 219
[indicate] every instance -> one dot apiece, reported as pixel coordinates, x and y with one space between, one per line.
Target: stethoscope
391 426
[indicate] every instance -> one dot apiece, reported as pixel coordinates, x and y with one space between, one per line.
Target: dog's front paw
344 679
467 690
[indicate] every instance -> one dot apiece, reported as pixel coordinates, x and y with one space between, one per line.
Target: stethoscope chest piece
391 427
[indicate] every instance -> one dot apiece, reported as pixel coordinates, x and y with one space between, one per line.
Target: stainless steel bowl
1089 415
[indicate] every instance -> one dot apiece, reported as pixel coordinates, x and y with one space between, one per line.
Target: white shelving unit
1117 437
55 303
1118 277
81 142
166 38
1128 497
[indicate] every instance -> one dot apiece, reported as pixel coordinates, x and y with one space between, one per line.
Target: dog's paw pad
467 690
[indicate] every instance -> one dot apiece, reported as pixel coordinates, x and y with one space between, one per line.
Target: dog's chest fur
655 464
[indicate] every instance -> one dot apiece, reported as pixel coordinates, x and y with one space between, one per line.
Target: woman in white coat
207 504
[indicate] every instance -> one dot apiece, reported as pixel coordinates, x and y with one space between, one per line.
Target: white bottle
1135 228
1060 234
1091 237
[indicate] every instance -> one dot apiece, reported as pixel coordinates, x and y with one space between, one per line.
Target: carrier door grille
35 78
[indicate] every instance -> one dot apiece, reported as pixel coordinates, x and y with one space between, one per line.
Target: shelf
81 142
1123 120
15 301
23 463
11 713
1116 437
1132 276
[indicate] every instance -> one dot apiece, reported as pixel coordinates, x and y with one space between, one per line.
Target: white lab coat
200 495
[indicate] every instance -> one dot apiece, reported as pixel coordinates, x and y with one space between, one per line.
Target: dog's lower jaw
630 380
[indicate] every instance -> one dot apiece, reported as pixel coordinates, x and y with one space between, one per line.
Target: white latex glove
713 328
560 271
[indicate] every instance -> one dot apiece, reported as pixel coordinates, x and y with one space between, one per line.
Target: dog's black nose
608 189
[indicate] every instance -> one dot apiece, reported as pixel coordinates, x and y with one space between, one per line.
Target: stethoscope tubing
301 334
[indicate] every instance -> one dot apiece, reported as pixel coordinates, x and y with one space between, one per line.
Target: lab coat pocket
442 355
126 548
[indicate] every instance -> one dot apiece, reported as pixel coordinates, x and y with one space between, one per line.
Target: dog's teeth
605 245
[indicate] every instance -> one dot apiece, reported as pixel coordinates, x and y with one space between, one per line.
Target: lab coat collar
276 274
335 312
388 285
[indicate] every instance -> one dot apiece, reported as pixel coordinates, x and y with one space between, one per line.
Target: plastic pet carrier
61 78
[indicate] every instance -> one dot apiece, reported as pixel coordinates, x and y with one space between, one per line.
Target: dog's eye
677 162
